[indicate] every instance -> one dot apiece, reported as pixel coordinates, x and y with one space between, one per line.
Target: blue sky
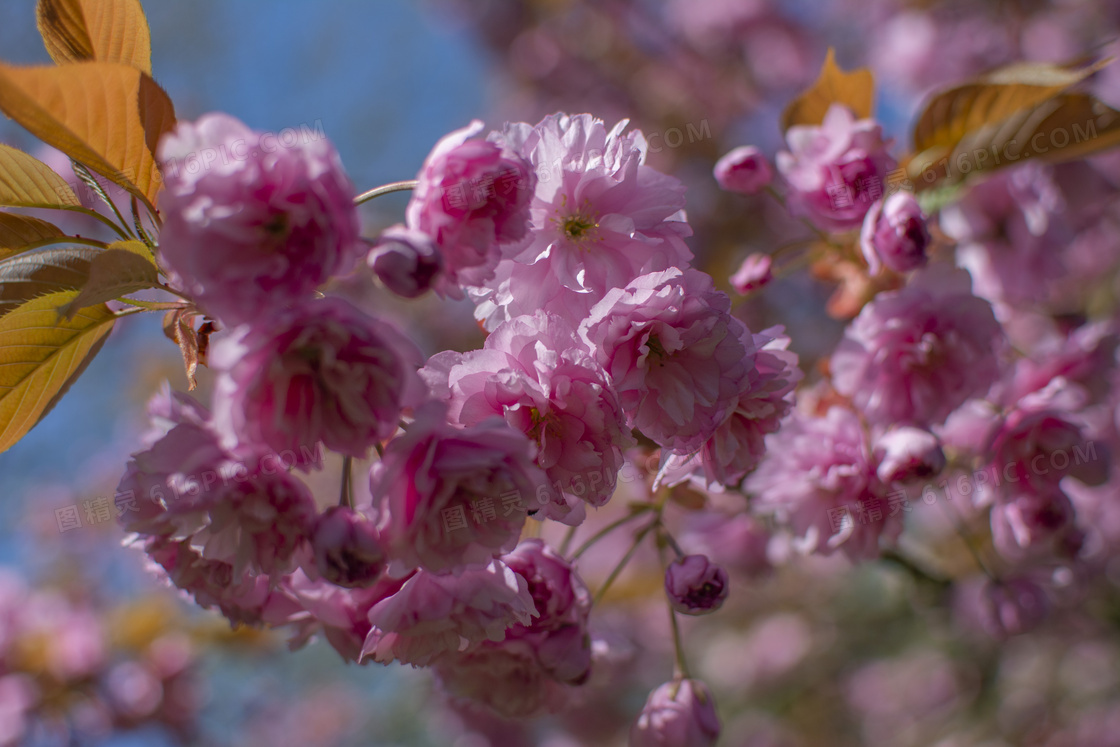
384 79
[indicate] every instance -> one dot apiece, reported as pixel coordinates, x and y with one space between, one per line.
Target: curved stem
636 511
622 563
567 541
384 190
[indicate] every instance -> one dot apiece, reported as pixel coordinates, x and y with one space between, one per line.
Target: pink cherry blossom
835 170
599 216
471 197
1012 232
505 677
451 496
1042 439
212 583
817 477
559 594
681 713
252 229
435 614
321 372
914 355
738 443
677 358
1036 523
340 615
537 374
185 486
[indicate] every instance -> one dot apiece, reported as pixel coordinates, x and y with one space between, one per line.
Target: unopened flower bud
744 170
405 260
908 453
679 713
695 585
894 234
754 273
347 548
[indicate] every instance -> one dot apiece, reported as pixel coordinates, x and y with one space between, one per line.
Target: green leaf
106 30
28 182
18 233
41 356
125 267
32 274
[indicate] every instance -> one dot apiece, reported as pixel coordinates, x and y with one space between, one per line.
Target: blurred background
818 654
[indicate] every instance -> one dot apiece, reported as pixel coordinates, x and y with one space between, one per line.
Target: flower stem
634 511
671 542
622 563
567 541
680 665
346 497
384 190
913 568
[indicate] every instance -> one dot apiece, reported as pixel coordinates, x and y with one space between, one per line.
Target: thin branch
346 497
625 559
384 190
634 512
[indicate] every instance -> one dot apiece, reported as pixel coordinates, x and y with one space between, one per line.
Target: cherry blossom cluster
951 385
600 334
602 342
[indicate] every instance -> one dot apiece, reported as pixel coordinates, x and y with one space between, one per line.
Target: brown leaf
41 356
125 267
855 90
19 233
32 274
178 326
27 182
105 30
1015 113
1062 128
106 115
991 99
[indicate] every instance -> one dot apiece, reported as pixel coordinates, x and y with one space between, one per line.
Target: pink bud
894 234
744 170
908 453
405 260
347 548
695 585
754 273
680 713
